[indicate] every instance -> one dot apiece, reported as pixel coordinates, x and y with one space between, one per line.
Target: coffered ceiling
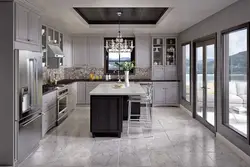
181 14
128 15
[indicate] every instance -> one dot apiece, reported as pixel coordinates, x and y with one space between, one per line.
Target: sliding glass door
235 111
205 63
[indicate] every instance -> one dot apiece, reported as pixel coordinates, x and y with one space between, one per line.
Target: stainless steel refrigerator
28 120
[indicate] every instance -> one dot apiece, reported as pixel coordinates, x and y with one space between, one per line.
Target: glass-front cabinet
164 61
158 51
50 36
170 52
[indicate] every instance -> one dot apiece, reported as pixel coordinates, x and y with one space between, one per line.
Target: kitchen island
107 107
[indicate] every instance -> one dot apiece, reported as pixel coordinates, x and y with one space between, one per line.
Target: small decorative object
127 66
155 63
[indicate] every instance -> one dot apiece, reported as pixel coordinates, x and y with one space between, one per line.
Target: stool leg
129 115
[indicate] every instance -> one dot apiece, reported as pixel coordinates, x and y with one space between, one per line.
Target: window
235 79
112 58
186 72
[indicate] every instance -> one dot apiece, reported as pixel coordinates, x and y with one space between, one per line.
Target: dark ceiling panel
129 15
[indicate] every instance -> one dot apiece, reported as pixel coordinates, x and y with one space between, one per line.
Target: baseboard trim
186 110
238 151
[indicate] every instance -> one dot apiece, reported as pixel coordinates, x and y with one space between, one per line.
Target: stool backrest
149 91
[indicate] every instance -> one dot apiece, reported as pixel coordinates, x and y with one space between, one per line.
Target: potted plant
126 67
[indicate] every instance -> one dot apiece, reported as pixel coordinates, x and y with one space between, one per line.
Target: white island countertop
109 89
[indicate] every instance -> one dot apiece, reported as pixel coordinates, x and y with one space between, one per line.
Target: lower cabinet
166 94
48 120
72 97
81 86
89 87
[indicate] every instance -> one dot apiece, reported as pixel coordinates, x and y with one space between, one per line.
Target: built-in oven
62 104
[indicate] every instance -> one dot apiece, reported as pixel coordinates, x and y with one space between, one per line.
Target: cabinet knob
28 39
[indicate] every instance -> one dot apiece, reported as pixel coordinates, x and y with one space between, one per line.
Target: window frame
224 85
106 63
190 71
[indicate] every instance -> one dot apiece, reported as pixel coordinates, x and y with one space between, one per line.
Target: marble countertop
69 81
108 89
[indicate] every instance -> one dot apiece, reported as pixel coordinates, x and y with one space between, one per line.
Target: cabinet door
89 87
170 72
96 52
34 28
157 51
172 95
81 93
143 45
159 94
80 51
158 73
21 23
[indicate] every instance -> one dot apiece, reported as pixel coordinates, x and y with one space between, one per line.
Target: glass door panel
199 81
210 83
158 51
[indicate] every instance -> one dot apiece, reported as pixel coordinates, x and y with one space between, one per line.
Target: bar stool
146 117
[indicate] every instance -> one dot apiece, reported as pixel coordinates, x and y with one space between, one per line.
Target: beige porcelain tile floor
174 140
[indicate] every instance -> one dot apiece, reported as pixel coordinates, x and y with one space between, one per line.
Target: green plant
126 66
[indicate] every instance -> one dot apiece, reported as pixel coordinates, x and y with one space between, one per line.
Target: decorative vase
127 78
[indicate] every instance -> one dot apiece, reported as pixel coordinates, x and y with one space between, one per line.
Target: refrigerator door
30 76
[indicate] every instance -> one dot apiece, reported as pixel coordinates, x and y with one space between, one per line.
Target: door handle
32 120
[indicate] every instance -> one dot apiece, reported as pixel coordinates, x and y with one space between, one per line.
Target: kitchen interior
58 73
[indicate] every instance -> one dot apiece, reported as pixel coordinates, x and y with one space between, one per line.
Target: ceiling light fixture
119 45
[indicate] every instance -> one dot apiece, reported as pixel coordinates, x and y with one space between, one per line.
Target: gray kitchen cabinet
89 87
143 45
164 59
81 99
80 51
72 96
22 15
34 28
96 51
165 94
158 73
170 72
49 110
28 27
159 94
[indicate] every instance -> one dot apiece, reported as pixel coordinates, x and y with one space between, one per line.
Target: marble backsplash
83 73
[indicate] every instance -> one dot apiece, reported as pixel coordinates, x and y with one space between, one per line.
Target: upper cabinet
96 51
79 51
53 37
88 51
142 49
164 58
157 51
28 31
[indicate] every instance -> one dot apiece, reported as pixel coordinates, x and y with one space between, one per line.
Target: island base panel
106 113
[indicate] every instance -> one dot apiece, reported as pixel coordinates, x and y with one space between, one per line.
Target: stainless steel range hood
54 51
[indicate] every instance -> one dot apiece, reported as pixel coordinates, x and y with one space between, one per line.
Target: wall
7 84
231 16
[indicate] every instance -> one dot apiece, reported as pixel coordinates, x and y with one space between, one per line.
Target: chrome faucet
118 75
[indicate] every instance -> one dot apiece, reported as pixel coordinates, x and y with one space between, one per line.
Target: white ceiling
184 14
